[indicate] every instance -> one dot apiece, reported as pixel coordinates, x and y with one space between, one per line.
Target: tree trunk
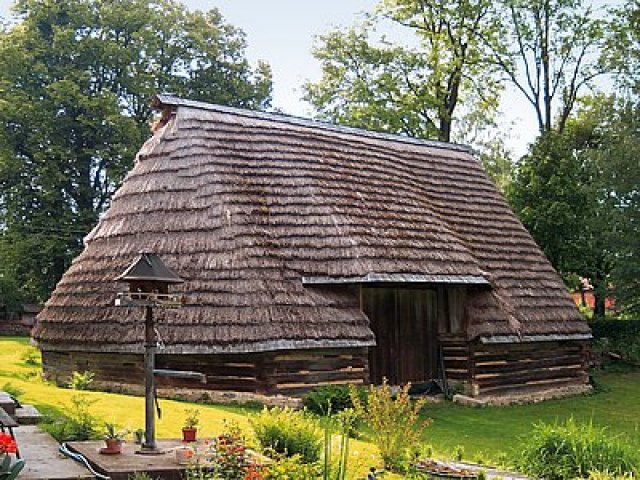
599 296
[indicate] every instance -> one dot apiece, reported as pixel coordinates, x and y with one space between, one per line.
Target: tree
498 162
578 193
76 79
622 52
416 89
617 160
552 54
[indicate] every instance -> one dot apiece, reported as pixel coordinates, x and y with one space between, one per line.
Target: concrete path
43 461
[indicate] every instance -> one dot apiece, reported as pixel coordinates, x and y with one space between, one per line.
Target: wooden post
149 445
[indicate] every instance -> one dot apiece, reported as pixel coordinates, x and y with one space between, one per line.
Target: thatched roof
243 206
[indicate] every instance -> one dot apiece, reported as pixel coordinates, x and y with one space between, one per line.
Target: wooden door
404 322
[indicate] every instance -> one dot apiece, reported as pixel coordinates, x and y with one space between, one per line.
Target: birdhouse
149 279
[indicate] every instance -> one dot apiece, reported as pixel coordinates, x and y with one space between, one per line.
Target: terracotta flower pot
189 434
114 445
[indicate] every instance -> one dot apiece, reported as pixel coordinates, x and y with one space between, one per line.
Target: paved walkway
43 461
490 471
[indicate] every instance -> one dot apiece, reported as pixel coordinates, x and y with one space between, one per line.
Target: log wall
283 372
497 369
502 368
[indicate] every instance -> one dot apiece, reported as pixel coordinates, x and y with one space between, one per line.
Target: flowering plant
228 459
7 443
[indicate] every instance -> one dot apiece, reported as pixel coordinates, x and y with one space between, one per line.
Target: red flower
7 444
254 472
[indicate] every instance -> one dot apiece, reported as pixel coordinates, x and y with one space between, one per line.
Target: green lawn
484 433
489 432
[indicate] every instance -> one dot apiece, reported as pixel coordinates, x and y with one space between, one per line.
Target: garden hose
64 449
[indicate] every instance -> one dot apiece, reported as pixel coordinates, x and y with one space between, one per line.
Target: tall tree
617 162
76 79
417 88
578 193
552 54
622 52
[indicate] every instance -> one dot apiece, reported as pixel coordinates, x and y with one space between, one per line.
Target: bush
289 432
394 422
618 336
79 425
81 380
572 450
287 468
31 357
332 399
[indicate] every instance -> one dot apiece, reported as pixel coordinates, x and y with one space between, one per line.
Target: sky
282 32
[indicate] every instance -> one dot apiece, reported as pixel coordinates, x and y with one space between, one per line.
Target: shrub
287 468
81 380
394 421
618 336
332 399
31 357
289 432
79 425
572 450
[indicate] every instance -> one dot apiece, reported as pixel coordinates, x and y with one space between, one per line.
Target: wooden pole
149 390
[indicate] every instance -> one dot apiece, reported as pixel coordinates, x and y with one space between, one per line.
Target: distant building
19 323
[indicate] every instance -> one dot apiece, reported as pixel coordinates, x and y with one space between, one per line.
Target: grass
485 434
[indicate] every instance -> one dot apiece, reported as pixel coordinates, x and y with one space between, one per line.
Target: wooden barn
314 254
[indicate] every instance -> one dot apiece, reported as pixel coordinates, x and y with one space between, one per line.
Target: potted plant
190 425
138 436
113 438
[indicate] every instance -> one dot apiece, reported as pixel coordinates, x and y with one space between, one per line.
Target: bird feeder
149 279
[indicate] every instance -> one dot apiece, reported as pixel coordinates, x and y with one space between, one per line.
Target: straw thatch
243 205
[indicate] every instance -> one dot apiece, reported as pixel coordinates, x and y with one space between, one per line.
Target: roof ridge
171 100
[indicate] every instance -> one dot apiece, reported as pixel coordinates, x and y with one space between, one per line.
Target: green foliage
458 453
78 425
81 380
11 297
394 422
288 468
335 466
140 476
572 450
497 161
32 357
112 431
618 336
289 432
414 88
331 399
9 470
76 79
598 475
192 418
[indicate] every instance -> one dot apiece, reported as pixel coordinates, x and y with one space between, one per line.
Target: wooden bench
6 421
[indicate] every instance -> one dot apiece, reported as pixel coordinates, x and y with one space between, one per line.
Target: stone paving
43 460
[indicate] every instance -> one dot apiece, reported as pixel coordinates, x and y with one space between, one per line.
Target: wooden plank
550 383
523 366
539 375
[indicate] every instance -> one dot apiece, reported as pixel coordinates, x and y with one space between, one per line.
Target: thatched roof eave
553 337
212 349
399 278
